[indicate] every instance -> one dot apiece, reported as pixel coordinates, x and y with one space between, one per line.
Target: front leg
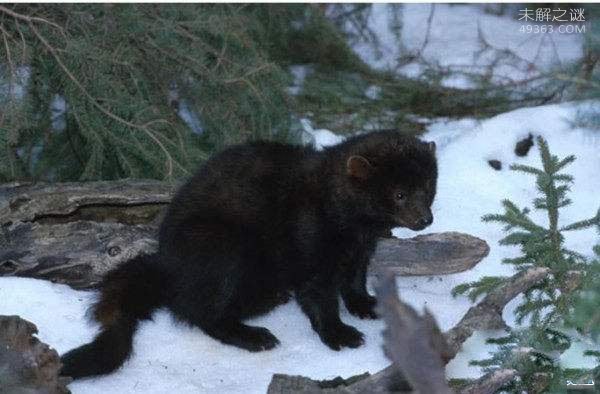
354 290
319 300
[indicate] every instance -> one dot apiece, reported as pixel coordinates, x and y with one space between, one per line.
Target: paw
363 307
258 339
342 336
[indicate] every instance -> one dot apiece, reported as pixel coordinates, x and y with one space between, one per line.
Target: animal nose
425 220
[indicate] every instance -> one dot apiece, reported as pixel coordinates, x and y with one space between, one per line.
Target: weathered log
76 253
386 381
429 254
26 364
127 201
282 384
73 233
490 383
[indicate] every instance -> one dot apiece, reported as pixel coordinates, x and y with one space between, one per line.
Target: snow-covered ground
454 42
170 357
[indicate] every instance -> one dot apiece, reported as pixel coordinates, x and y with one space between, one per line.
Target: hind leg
254 339
218 303
223 322
217 283
221 319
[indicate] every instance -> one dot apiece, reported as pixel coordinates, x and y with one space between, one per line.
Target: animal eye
400 196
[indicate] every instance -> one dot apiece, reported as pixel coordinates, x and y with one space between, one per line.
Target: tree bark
429 254
490 383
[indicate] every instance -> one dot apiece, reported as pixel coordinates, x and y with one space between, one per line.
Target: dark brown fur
260 222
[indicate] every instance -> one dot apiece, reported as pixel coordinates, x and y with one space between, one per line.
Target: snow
468 188
373 92
174 357
171 357
319 137
454 42
190 117
299 73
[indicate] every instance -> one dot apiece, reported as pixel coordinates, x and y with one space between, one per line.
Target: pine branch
483 286
526 169
582 224
487 314
564 162
516 238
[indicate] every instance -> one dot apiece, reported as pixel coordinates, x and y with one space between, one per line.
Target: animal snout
425 221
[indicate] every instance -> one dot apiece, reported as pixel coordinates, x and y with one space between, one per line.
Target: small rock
495 164
523 146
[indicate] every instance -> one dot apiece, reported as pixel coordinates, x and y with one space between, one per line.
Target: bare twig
578 80
428 32
23 42
31 19
11 67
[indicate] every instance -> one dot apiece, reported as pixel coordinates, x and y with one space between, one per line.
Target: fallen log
77 253
429 254
282 384
128 201
490 382
73 233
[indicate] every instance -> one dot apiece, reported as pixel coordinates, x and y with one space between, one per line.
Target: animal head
393 179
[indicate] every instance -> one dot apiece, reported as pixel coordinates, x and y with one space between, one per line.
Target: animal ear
358 167
431 146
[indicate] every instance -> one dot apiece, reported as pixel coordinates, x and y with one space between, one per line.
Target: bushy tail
128 294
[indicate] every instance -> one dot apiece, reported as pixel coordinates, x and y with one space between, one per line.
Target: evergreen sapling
541 246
